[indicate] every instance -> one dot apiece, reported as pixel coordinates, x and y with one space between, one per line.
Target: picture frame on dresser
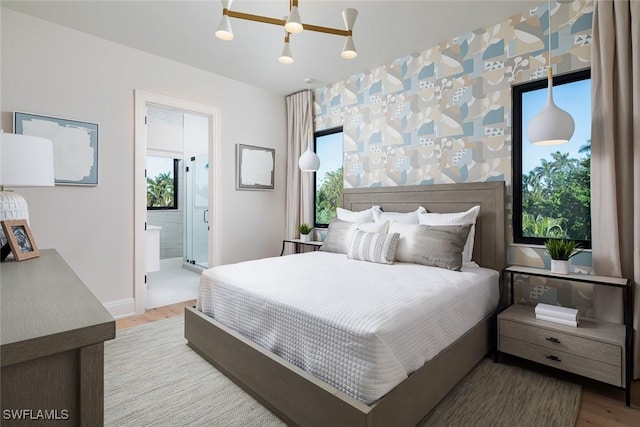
20 239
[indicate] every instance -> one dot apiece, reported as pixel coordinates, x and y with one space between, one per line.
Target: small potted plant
305 230
561 251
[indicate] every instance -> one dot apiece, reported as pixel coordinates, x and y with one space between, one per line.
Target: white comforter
359 326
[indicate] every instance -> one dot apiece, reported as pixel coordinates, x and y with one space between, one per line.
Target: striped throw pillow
374 247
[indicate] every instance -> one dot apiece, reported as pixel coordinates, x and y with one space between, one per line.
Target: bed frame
297 397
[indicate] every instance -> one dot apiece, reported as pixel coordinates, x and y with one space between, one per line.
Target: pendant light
309 161
286 57
552 125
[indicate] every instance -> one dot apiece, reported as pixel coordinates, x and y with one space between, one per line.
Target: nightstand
595 349
315 244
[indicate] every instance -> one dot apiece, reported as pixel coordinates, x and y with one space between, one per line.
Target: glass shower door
197 223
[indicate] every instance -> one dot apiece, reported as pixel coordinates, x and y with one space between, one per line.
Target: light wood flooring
601 405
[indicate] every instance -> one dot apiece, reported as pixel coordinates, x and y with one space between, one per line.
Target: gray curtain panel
300 204
615 155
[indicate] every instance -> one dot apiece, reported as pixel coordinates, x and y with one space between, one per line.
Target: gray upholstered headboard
489 249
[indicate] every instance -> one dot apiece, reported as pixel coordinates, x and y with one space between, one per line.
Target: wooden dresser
52 353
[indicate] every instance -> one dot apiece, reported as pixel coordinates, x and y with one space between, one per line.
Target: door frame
141 99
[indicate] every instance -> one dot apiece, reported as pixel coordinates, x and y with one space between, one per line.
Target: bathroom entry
177 182
166 107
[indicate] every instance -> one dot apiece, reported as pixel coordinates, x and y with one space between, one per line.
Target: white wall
52 70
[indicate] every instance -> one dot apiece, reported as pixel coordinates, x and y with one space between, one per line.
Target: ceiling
183 31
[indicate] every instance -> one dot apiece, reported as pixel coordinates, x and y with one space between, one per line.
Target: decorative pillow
374 247
404 217
437 246
459 218
340 233
359 217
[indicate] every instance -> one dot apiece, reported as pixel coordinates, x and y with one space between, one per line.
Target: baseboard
121 308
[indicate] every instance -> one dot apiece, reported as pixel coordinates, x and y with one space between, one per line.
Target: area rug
152 378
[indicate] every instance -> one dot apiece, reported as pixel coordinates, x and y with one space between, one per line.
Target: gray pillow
374 247
338 236
437 246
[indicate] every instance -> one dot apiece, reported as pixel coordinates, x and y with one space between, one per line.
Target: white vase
560 266
305 237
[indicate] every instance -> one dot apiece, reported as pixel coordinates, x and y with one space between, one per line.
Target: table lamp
25 161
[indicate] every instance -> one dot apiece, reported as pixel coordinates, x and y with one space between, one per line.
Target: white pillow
359 217
403 217
459 218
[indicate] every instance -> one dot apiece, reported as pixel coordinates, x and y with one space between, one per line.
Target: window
551 184
162 183
328 179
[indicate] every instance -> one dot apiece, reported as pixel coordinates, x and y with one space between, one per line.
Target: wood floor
601 405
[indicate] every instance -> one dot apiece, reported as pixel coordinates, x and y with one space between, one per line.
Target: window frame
321 133
176 169
516 98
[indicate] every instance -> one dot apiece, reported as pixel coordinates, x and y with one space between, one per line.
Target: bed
300 398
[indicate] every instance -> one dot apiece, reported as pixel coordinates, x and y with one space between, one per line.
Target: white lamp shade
286 57
224 31
25 161
309 161
349 16
552 125
294 24
349 50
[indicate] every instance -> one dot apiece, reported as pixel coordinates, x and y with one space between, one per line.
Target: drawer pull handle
553 340
554 358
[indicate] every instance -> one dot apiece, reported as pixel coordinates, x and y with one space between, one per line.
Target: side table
596 349
298 243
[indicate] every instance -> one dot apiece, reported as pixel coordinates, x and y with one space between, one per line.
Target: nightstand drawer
611 374
555 340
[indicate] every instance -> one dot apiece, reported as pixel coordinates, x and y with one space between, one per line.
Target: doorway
186 135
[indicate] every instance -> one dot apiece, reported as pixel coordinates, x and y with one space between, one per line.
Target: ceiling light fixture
286 56
292 25
552 125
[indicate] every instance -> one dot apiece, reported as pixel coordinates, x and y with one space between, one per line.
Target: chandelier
292 25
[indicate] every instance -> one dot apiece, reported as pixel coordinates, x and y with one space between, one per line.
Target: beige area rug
152 378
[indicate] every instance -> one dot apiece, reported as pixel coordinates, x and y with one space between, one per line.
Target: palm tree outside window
162 183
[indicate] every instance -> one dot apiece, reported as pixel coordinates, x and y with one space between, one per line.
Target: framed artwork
255 167
75 146
20 239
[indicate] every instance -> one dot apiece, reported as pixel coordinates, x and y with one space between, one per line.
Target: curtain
299 202
615 155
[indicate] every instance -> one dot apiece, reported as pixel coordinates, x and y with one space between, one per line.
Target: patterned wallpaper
443 115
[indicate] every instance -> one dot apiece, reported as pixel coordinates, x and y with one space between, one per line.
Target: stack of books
562 315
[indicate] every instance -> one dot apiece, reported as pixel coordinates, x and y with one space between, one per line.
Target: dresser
596 349
51 349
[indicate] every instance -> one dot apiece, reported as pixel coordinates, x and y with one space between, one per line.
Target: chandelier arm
281 22
327 30
255 18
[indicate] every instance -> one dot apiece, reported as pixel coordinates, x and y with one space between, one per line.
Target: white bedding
359 326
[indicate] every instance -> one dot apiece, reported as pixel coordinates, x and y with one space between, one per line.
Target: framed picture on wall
20 239
255 167
75 146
